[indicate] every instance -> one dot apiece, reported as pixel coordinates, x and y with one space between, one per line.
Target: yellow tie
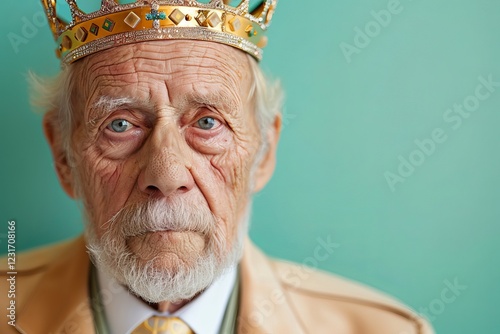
163 325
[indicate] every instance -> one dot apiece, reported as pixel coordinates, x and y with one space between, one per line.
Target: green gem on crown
155 15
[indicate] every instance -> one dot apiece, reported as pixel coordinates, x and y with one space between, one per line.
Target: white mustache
158 215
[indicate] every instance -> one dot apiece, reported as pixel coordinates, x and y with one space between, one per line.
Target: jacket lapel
264 307
63 305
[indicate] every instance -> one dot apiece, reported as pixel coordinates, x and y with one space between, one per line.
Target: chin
169 249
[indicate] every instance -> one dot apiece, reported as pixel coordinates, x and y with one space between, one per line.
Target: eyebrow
105 105
219 100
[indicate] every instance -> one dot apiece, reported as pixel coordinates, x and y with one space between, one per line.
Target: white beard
111 254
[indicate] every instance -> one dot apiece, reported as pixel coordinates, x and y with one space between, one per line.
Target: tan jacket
51 296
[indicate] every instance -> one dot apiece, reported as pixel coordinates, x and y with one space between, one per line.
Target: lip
160 232
140 234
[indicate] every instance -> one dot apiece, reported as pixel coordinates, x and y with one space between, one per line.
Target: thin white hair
54 96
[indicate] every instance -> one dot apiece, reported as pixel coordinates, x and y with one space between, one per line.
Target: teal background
345 125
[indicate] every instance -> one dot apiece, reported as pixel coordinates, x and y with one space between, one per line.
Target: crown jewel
239 23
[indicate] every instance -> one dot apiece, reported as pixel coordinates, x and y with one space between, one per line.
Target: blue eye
120 125
206 123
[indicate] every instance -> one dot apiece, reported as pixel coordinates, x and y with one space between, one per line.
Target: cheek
106 185
223 180
222 166
234 166
228 155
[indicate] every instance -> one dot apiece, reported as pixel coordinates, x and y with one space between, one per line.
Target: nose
167 165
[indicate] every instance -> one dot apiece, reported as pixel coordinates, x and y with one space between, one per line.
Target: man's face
164 151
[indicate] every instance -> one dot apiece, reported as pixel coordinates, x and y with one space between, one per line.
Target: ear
54 138
266 167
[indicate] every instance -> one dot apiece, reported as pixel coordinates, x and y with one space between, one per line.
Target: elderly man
163 126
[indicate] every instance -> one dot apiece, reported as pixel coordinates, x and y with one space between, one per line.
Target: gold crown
239 23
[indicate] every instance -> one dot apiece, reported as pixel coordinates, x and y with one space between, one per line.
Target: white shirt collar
204 314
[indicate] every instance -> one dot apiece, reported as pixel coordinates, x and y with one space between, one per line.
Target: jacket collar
264 307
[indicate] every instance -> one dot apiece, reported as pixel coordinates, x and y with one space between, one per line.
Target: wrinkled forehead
189 51
182 66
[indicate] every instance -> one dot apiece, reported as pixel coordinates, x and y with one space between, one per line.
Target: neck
169 307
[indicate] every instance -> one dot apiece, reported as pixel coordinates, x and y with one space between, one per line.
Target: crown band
115 25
